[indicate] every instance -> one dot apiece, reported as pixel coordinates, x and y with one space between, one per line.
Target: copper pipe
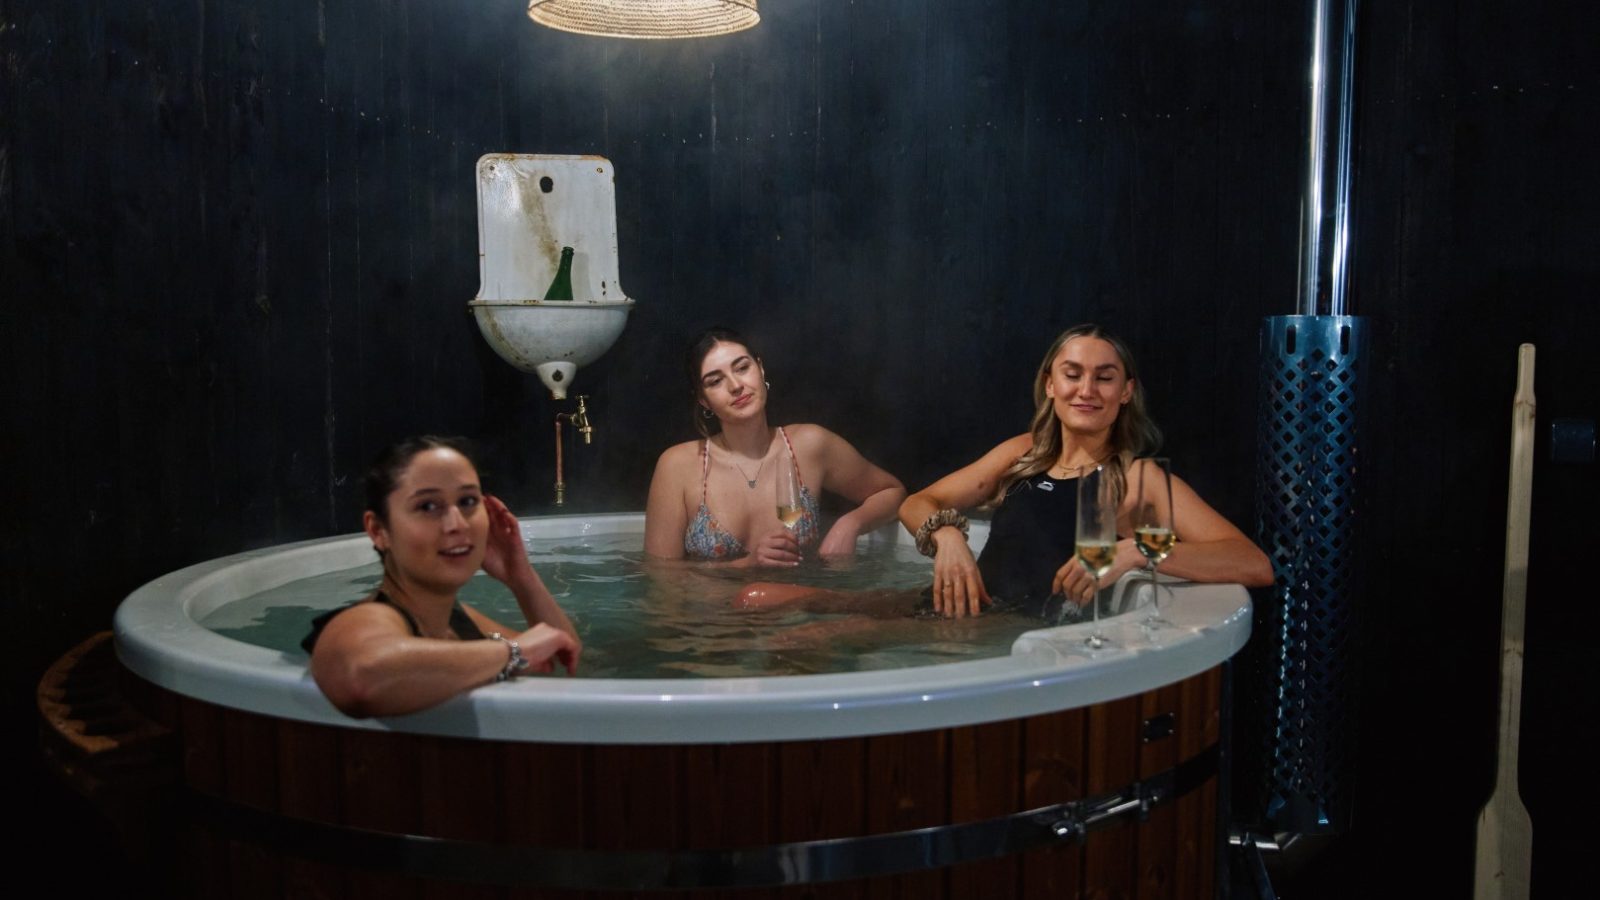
561 486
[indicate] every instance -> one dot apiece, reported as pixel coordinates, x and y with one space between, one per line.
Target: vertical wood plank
460 795
728 789
907 778
1156 839
547 788
250 771
821 795
379 776
1053 772
308 788
203 770
985 761
1112 764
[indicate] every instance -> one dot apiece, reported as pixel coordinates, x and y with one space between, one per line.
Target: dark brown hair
692 360
389 466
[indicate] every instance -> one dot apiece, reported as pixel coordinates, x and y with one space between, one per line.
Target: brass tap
580 420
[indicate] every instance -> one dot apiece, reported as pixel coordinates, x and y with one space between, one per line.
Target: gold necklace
1067 470
749 480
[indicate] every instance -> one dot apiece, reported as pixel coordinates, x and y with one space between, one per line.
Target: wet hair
389 466
1133 434
692 361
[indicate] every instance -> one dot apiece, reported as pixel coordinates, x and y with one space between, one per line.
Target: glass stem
1094 609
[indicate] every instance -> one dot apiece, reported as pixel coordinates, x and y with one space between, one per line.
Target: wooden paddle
1505 833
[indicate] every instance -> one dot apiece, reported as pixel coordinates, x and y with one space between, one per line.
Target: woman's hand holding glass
781 548
1076 584
775 548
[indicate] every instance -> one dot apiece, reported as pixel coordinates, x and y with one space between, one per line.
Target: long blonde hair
1133 434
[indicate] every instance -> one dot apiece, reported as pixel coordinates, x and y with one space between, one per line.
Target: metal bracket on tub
798 862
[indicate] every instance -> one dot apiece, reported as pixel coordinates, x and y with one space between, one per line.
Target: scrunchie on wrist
938 520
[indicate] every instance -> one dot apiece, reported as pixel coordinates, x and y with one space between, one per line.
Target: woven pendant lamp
646 18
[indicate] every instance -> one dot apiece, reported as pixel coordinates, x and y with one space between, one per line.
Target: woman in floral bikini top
734 468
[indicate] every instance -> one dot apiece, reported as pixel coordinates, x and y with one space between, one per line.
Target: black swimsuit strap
460 623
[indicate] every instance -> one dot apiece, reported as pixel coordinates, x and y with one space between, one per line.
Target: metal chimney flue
1313 376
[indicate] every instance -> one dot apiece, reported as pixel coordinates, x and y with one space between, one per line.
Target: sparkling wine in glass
1096 542
1153 530
788 493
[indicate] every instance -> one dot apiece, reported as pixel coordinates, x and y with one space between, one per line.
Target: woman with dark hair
412 644
713 499
1089 410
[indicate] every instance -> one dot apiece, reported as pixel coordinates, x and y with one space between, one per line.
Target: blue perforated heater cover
1308 493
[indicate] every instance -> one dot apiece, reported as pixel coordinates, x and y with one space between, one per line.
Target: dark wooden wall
237 240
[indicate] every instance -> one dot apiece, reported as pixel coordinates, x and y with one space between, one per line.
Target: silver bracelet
938 520
515 663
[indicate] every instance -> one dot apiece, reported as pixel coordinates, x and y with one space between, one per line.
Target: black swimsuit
460 622
1030 537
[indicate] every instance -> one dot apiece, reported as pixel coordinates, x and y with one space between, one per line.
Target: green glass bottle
561 285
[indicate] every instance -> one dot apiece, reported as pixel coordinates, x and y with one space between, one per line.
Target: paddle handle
1503 867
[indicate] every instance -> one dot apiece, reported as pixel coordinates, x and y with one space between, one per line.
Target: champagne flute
1153 530
1096 542
788 493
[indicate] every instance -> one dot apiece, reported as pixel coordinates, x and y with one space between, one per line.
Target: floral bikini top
705 539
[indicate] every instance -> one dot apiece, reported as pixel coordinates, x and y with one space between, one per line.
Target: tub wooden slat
547 803
821 795
205 852
733 789
1113 759
461 796
907 787
308 788
1053 763
1206 829
637 794
984 783
379 783
250 775
1157 838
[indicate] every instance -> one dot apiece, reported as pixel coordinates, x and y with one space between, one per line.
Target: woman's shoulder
806 433
355 618
809 439
1013 448
685 453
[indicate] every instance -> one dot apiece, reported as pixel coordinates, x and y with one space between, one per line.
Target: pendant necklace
750 479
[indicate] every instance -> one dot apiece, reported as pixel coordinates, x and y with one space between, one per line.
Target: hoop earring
705 412
768 384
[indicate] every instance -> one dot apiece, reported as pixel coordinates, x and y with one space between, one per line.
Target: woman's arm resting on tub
367 662
1209 547
876 493
958 589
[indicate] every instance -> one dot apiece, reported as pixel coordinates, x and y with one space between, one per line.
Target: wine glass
1096 542
788 493
1153 531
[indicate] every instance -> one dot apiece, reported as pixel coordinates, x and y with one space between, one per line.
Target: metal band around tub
801 862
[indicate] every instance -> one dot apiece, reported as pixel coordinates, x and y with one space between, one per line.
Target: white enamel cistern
530 207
